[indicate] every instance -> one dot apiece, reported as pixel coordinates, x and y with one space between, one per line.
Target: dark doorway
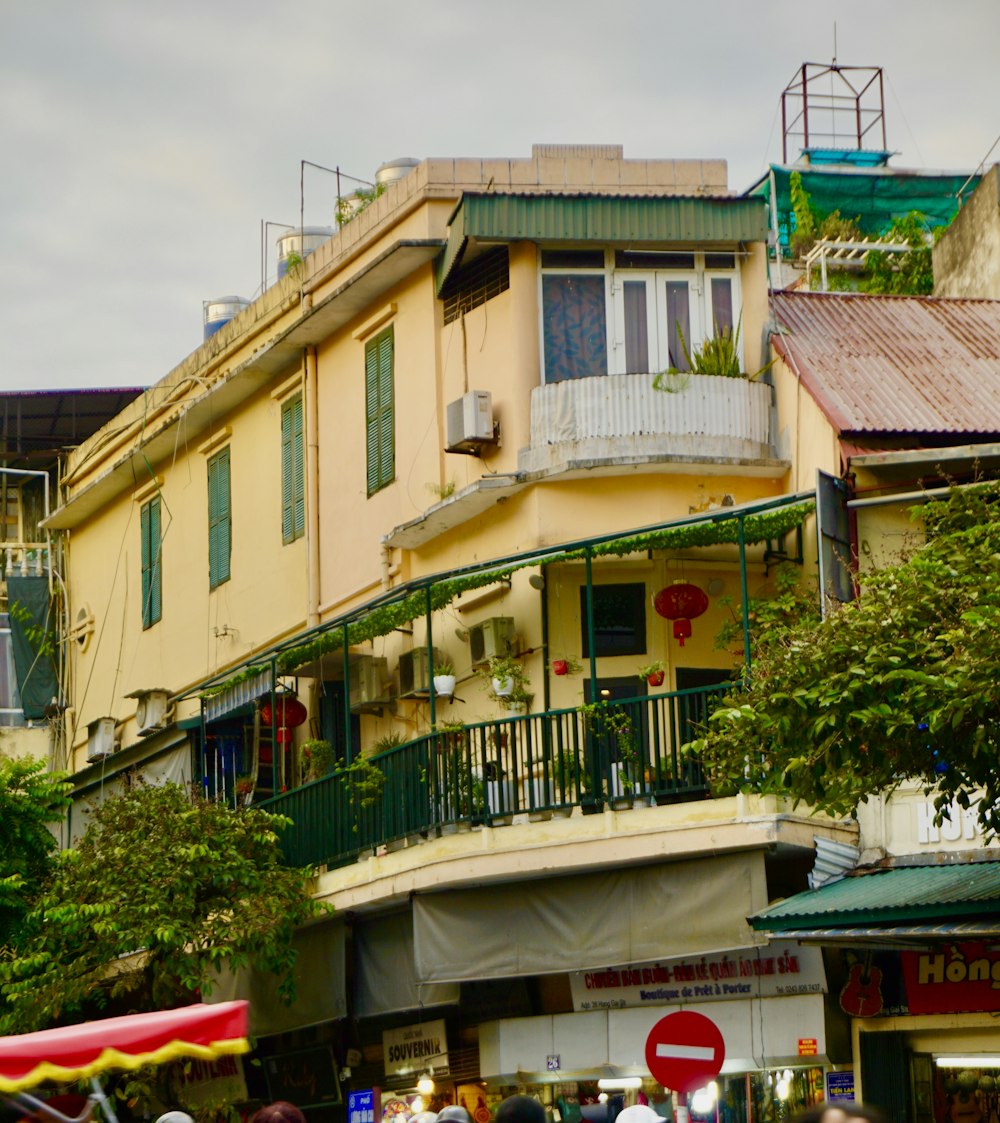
332 704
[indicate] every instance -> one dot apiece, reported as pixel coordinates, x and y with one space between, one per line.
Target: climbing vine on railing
385 618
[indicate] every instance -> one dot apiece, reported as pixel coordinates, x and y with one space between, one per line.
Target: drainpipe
743 590
312 489
430 658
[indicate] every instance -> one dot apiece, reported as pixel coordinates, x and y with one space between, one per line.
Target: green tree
906 273
164 889
902 683
31 799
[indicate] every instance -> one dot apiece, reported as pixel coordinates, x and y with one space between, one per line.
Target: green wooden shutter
379 411
149 529
219 524
371 413
386 422
293 499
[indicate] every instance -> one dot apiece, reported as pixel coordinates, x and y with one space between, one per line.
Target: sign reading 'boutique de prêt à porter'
419 1048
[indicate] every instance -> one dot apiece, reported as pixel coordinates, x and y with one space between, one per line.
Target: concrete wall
967 258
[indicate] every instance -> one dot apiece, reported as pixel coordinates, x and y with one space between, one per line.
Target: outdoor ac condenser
370 685
100 739
470 422
414 673
491 638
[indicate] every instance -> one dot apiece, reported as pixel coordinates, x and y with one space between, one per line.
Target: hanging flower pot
560 667
503 687
653 673
681 603
656 678
444 685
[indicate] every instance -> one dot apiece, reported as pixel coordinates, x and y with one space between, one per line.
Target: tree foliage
902 683
164 889
31 798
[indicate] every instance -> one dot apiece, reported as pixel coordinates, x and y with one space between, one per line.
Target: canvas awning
588 921
319 976
78 1052
385 978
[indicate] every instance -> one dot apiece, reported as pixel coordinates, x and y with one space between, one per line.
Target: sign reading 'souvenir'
419 1048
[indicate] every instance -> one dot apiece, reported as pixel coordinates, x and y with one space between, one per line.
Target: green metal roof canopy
627 219
892 897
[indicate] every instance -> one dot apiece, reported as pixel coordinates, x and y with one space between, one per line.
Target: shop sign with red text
766 972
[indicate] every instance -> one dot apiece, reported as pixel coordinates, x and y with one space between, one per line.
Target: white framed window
632 312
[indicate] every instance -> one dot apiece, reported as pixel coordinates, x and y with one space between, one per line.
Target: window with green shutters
152 567
220 530
293 482
379 423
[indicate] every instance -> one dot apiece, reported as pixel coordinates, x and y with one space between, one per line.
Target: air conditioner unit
491 638
370 684
414 673
151 707
470 422
100 739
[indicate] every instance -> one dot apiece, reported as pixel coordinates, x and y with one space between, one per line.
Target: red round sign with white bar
685 1050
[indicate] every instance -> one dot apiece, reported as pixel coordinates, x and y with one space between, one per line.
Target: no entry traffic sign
685 1050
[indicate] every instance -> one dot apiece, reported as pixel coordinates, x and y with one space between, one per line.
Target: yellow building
443 440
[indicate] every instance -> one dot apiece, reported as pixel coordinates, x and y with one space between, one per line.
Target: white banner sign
767 972
416 1049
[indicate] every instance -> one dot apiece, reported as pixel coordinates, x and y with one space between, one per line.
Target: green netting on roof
875 198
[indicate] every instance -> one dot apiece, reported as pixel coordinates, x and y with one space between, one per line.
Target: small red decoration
560 667
681 603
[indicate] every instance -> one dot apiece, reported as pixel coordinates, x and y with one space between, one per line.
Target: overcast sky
142 143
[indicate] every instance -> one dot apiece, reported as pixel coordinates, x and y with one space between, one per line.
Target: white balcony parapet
622 419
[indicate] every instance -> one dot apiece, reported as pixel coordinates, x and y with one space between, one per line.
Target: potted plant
244 790
567 666
653 673
365 781
444 678
315 759
506 680
388 741
612 726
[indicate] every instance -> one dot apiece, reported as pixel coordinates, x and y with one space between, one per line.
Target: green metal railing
617 753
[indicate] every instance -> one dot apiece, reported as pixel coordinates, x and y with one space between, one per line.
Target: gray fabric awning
321 994
588 921
385 978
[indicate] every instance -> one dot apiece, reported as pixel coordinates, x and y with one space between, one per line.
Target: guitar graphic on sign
861 995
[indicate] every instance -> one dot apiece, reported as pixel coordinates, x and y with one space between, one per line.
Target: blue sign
839 1086
553 1063
361 1106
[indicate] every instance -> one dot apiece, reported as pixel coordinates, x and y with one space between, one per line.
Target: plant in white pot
506 679
444 678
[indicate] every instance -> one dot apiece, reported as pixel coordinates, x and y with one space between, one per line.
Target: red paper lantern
681 603
289 711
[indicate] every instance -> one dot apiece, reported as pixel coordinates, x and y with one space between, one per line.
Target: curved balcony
622 420
624 754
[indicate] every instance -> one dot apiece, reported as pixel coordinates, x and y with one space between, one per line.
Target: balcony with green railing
620 754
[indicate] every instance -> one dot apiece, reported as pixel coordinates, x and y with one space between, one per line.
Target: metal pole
743 590
430 658
544 609
591 645
348 747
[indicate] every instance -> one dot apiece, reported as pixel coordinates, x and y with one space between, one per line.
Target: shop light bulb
425 1085
619 1083
602 1098
782 1089
417 1106
703 1101
983 1060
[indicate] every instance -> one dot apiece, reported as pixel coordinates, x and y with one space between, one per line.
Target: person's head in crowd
520 1109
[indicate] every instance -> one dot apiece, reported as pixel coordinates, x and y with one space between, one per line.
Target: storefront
768 1003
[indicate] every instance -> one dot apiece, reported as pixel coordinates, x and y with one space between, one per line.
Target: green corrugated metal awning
895 896
626 219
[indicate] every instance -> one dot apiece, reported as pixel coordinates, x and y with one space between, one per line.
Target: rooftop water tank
220 311
392 170
301 242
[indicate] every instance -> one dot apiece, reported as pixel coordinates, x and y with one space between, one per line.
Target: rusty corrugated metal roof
894 364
